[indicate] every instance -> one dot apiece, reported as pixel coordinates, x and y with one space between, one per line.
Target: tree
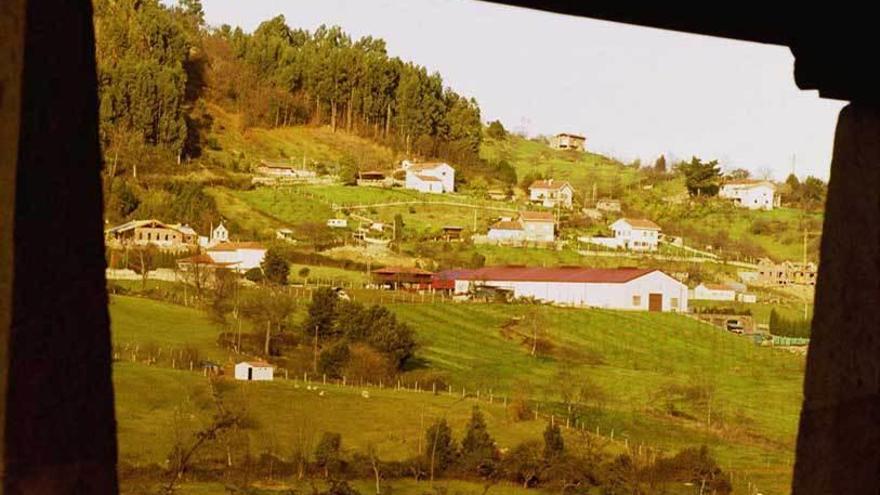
269 310
496 130
440 451
143 260
321 313
333 359
554 445
701 179
398 227
275 268
739 174
478 446
524 463
660 164
328 453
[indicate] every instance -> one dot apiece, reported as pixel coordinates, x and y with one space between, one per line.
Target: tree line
159 64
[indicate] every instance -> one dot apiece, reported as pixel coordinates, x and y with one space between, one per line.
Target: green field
632 356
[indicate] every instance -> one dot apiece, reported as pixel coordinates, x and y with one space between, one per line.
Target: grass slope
632 356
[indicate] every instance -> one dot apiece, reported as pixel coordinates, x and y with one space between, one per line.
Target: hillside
643 364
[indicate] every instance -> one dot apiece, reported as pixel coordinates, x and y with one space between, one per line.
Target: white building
530 226
254 371
751 194
617 288
240 256
284 170
637 234
714 292
551 193
218 235
337 223
434 177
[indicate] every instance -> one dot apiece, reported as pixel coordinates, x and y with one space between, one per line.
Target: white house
751 194
240 256
714 292
530 226
218 234
433 177
551 193
254 371
637 234
616 288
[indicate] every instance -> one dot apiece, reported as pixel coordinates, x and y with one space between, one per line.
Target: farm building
452 233
254 371
240 256
551 193
374 178
786 273
714 292
283 170
530 226
609 205
403 277
433 177
565 141
751 194
165 236
218 234
619 288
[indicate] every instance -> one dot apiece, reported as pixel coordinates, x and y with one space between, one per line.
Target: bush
333 359
254 275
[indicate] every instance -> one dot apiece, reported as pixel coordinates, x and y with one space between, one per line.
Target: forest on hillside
160 65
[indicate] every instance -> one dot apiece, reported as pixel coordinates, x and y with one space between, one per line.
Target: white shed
714 292
254 371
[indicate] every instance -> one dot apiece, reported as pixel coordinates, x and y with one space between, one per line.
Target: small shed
254 371
452 232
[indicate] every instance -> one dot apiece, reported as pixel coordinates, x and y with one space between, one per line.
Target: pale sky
634 92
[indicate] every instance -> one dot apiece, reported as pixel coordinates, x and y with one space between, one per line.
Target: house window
637 300
673 301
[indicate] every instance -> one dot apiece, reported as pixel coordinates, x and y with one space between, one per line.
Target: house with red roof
429 177
636 289
551 193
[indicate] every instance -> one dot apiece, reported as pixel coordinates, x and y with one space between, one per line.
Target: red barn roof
541 274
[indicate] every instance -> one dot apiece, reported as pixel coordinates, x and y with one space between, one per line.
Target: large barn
618 288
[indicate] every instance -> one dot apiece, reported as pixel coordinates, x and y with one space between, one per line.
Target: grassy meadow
633 357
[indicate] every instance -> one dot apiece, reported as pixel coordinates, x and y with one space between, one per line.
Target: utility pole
315 358
804 271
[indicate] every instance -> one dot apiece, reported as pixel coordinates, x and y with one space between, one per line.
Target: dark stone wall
60 432
838 448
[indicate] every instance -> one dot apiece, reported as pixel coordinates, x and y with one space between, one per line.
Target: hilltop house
530 226
239 256
565 141
551 193
166 236
254 371
751 194
433 177
634 234
616 288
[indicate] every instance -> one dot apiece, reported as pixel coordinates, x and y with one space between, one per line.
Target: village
637 279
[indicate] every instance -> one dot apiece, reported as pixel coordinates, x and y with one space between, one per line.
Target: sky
634 92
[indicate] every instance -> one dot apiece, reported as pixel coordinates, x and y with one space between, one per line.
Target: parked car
734 326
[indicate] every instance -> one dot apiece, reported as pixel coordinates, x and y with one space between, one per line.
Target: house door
250 374
655 302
